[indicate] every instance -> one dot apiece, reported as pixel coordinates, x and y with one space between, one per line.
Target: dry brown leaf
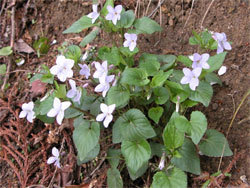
22 46
38 87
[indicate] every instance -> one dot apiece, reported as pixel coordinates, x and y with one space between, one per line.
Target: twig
159 4
230 125
192 6
3 5
148 7
206 13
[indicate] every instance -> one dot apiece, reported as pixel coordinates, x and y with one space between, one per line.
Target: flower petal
109 16
185 80
110 78
31 116
104 108
55 152
187 71
126 43
99 88
118 9
197 72
111 108
110 9
127 36
23 114
59 117
94 7
55 69
57 103
100 117
62 76
132 46
65 105
205 57
107 120
194 83
52 113
197 57
205 65
71 93
51 160
227 45
222 70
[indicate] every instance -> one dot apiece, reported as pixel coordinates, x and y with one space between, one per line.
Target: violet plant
144 102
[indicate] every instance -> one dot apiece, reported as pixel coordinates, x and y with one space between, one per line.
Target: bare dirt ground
178 19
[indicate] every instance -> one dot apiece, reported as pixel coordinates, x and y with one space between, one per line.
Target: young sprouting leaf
213 78
90 156
149 63
104 10
136 153
2 69
185 60
155 113
167 60
83 23
90 37
161 95
193 41
213 144
118 95
127 19
176 178
127 53
133 125
114 178
203 93
42 46
73 52
135 76
86 137
188 103
160 78
5 51
146 25
114 157
216 61
198 126
189 160
60 91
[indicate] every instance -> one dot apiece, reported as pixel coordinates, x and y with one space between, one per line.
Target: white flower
84 56
27 110
55 159
222 70
200 61
85 70
221 39
191 77
58 110
62 68
106 114
74 92
94 15
101 70
104 84
114 14
130 41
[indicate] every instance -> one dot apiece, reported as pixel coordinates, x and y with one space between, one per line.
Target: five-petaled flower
101 69
200 61
130 41
191 77
74 92
63 68
94 15
55 158
84 70
106 114
114 14
58 110
221 39
104 84
27 110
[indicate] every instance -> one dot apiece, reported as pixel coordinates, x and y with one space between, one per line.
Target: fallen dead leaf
22 46
38 87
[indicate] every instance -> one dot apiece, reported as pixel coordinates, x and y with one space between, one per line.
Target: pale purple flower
55 158
200 61
101 69
58 110
94 15
27 111
162 162
221 39
104 84
222 70
63 68
191 77
74 92
130 41
106 114
114 14
84 70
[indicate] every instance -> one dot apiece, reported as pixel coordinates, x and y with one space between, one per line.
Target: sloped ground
50 18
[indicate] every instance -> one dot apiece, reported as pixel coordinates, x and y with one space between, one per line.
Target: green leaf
156 149
189 160
111 55
46 119
203 93
150 63
181 123
5 51
161 95
136 153
135 76
86 137
2 69
126 52
172 137
216 61
71 113
90 37
104 10
90 156
160 78
114 178
139 172
46 105
213 78
114 157
197 36
155 113
83 23
116 132
193 41
213 144
176 178
118 95
133 125
198 126
185 60
167 60
60 91
42 46
74 53
127 19
146 25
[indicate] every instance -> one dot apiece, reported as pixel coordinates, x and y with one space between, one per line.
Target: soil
178 19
